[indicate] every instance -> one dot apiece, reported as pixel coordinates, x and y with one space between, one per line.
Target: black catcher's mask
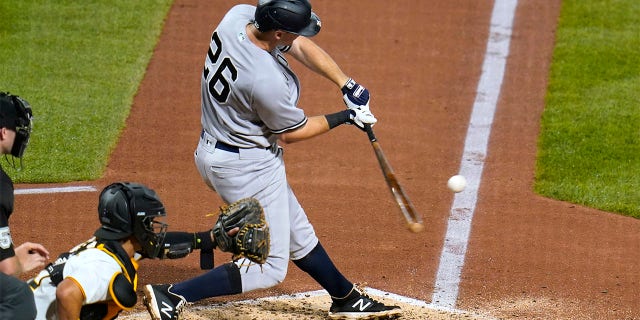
15 114
127 208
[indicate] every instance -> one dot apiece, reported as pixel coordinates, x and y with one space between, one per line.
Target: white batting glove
361 116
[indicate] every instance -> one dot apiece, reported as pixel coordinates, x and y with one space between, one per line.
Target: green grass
589 148
79 64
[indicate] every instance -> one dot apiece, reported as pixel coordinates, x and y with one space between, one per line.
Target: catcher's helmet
127 209
15 114
294 16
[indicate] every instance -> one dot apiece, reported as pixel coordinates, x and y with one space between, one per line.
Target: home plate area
310 305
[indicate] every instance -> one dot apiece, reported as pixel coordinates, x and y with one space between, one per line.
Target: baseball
457 183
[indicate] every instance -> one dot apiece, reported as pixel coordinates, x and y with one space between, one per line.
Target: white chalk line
55 190
452 258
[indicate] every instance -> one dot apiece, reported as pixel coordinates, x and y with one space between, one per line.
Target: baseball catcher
97 279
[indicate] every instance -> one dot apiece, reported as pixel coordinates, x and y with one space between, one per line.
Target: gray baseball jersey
242 87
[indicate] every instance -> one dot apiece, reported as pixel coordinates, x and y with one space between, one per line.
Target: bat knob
416 227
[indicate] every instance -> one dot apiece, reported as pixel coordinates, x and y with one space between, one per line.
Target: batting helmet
127 209
294 16
15 114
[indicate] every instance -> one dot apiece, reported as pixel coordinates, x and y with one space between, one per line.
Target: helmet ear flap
114 213
261 19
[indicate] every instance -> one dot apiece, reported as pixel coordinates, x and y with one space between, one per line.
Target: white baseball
457 183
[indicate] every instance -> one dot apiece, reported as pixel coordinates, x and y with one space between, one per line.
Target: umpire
16 298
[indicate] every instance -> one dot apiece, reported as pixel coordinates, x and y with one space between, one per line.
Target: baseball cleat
161 303
358 305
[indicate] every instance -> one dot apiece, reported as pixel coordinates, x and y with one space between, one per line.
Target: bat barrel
416 227
414 222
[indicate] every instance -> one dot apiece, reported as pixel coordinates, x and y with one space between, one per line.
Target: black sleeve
6 208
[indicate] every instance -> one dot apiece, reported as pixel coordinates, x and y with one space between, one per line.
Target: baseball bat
414 221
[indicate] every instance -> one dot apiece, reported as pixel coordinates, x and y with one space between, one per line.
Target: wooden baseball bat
414 221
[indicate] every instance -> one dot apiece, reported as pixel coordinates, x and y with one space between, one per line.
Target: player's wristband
338 118
202 241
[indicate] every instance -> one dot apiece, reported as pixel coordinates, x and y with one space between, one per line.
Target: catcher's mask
127 208
294 16
15 114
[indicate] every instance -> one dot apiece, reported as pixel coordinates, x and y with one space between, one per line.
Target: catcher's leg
220 281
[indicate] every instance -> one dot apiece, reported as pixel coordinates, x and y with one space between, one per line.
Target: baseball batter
249 105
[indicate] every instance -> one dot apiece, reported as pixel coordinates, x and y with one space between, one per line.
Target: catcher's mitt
252 240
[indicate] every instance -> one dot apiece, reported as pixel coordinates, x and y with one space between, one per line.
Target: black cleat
357 305
161 303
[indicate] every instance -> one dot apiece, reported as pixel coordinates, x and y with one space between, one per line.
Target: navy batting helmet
294 16
127 209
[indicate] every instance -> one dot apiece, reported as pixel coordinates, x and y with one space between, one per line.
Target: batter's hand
362 116
354 94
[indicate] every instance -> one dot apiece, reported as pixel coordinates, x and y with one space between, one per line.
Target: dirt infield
306 306
529 257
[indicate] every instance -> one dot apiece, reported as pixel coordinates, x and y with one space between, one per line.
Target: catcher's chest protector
122 288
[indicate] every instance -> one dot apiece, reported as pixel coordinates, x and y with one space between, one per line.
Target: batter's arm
316 59
318 125
315 126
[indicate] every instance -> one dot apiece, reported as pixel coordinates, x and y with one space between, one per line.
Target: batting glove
354 94
360 117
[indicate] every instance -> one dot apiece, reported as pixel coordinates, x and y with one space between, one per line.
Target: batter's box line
69 189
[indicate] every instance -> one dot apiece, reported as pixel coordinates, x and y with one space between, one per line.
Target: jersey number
219 84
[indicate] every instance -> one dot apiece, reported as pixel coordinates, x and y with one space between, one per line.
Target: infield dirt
529 257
